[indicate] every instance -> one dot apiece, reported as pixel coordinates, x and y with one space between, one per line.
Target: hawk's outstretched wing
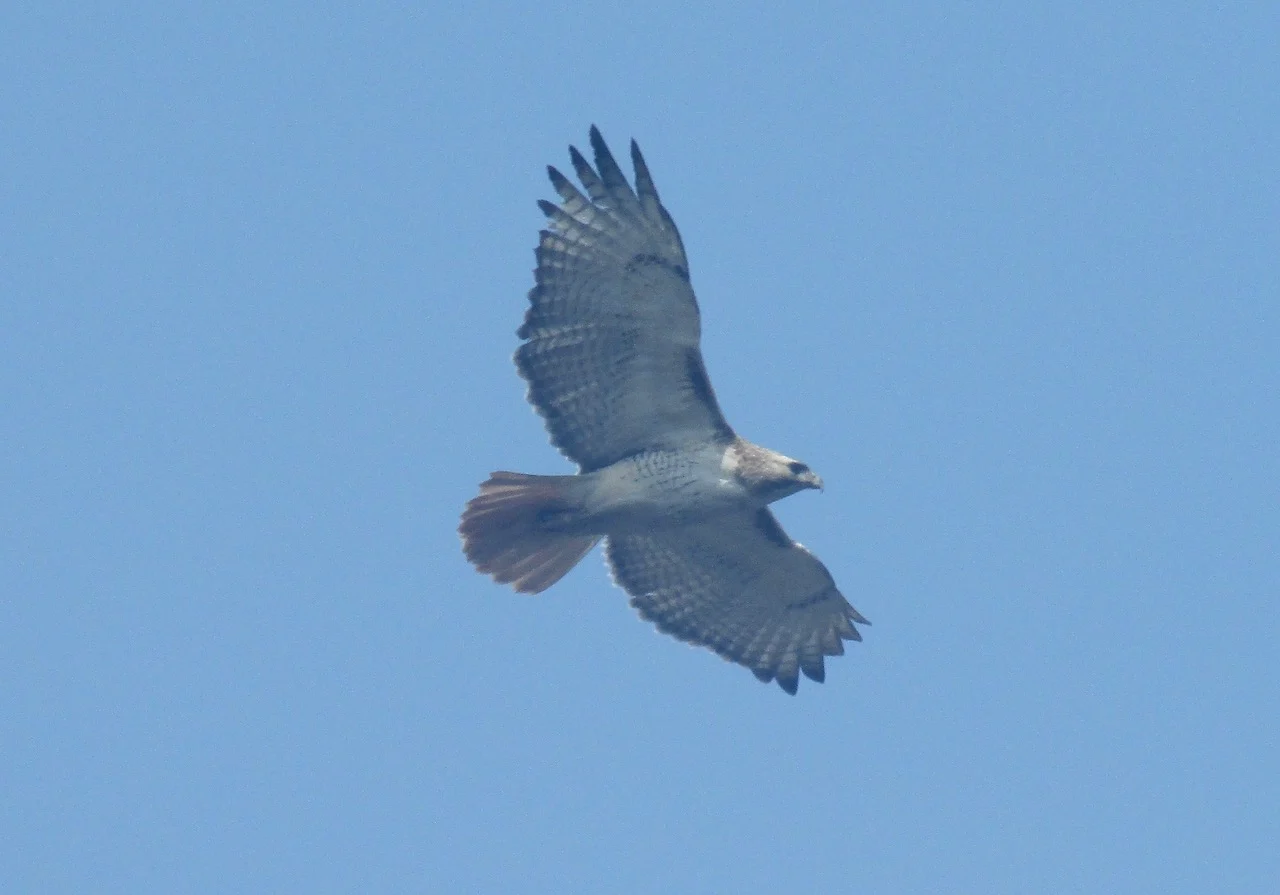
611 353
740 586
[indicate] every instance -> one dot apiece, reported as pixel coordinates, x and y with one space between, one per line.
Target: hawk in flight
610 352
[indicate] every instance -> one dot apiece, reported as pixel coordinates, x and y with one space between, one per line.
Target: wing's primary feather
611 351
617 190
741 587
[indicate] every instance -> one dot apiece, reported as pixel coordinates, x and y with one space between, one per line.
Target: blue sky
1005 275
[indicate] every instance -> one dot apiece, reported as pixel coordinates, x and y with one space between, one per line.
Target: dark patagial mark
770 528
697 373
649 260
821 596
700 385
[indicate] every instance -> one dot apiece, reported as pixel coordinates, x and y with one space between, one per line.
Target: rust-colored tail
505 530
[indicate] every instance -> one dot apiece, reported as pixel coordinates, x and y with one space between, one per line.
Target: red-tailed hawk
613 364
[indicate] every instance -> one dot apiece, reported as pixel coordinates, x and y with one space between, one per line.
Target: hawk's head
765 474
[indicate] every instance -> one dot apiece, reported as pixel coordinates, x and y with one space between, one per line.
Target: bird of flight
611 356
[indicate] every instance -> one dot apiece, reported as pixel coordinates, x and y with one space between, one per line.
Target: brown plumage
610 352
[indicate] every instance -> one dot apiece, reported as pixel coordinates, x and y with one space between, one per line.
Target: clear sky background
1005 275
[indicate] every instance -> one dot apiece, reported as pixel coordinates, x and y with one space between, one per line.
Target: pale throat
729 468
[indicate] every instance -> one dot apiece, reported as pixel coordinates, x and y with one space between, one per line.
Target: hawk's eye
797 468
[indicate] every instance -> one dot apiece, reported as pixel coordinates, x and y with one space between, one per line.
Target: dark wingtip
599 146
644 180
789 685
548 208
637 157
816 673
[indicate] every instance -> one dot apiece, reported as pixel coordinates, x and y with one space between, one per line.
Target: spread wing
738 585
611 350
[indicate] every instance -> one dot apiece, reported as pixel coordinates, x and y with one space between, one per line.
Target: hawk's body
612 358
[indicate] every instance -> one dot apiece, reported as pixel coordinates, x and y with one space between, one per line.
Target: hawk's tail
508 530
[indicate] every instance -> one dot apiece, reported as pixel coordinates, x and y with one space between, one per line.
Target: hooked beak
812 480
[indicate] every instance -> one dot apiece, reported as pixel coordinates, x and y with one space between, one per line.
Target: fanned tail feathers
506 532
